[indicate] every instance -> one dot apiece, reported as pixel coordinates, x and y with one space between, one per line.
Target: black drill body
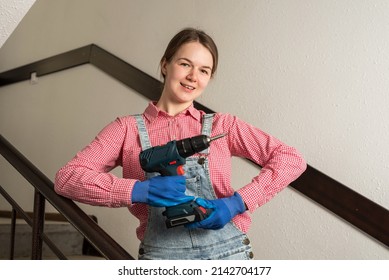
168 160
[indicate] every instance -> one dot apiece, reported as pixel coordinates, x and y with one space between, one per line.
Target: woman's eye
185 64
204 72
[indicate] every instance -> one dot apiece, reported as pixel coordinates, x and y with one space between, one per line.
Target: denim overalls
178 242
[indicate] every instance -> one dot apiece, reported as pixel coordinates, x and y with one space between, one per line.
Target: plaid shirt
86 178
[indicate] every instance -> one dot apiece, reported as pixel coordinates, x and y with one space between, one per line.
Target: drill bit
210 139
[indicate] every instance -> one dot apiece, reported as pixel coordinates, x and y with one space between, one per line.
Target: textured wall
11 13
312 73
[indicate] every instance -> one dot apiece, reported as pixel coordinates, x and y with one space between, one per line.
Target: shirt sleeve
86 177
281 164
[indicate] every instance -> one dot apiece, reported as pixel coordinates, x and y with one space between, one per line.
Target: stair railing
36 223
44 191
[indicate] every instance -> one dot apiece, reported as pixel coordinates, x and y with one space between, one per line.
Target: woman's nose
192 76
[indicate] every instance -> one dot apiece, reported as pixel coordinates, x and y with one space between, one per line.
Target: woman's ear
163 67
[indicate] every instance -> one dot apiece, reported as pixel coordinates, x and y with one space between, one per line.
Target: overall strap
143 135
207 128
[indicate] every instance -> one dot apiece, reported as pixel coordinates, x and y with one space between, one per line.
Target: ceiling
11 14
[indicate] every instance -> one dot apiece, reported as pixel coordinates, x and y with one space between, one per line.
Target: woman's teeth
188 87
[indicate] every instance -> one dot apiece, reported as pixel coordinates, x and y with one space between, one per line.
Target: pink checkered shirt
86 178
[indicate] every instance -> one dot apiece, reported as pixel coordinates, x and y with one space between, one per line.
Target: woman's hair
188 35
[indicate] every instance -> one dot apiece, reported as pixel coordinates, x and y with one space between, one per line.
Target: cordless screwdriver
168 160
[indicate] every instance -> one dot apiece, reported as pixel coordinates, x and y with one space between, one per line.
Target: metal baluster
13 232
38 225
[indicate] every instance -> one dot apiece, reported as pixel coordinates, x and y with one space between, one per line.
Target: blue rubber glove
161 191
224 209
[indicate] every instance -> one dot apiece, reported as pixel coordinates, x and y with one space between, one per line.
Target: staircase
68 212
71 243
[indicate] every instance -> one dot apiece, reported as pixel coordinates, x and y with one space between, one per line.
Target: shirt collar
152 112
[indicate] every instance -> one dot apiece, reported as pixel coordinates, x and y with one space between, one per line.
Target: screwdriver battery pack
185 213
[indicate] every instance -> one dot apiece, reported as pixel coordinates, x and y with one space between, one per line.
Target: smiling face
186 77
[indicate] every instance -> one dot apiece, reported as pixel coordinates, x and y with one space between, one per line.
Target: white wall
312 73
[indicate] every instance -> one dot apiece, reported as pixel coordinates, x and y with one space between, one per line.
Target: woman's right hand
161 191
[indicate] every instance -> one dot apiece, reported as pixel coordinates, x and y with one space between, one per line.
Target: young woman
187 66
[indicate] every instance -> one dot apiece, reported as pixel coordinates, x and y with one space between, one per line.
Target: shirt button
251 255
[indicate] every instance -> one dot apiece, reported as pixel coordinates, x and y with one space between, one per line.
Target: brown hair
188 35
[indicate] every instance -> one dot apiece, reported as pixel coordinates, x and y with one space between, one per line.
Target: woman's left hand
224 209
